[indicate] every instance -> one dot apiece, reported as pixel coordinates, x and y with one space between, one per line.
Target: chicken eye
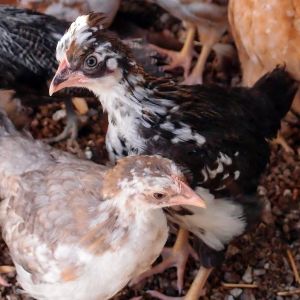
159 196
91 62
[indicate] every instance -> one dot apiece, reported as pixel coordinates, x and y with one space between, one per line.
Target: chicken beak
65 77
187 196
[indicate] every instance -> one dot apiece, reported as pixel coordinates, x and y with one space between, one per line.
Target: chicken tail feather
273 95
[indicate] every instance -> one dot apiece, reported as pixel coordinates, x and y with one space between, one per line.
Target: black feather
27 55
218 136
273 96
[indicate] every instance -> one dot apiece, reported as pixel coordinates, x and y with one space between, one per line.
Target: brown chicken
73 227
267 33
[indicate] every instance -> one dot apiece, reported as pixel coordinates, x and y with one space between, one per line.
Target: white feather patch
221 220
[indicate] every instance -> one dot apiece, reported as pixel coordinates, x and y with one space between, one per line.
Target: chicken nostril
61 76
58 80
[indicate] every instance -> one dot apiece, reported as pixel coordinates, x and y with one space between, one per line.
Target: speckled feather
217 135
73 227
253 23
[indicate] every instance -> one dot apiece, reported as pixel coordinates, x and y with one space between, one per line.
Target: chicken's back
20 153
266 33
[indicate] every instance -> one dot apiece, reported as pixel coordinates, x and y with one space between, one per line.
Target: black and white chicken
27 62
218 136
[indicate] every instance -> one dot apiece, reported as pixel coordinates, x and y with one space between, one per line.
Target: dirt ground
259 258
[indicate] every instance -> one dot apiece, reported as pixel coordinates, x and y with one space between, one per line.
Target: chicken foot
176 256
